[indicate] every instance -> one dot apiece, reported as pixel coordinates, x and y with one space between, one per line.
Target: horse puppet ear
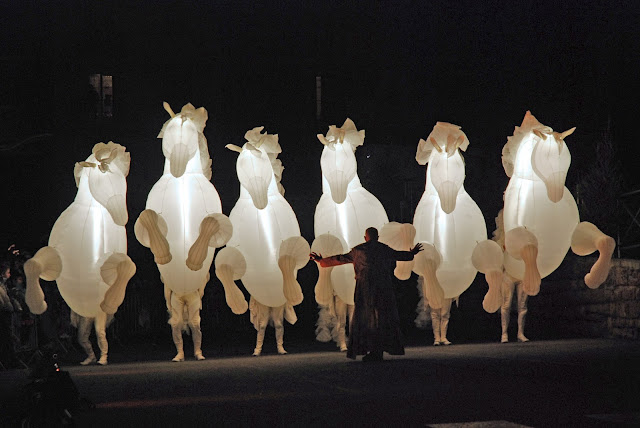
424 152
566 133
234 148
168 109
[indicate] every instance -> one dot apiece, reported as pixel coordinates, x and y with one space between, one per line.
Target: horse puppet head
446 166
536 150
338 161
258 165
183 137
105 172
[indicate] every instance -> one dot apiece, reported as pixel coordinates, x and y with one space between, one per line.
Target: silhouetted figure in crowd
7 308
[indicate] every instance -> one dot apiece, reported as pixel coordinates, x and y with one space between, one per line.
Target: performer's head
371 234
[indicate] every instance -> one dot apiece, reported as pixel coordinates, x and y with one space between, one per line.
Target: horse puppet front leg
116 272
215 231
586 239
45 264
521 244
151 231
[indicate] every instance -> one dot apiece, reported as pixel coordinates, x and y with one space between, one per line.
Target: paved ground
580 383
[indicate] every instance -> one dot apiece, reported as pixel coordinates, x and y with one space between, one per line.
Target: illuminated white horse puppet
87 252
183 222
448 223
344 212
541 220
266 249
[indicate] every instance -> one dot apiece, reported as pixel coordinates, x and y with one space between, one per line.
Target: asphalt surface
579 382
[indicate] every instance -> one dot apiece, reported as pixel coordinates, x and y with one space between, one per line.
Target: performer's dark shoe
372 356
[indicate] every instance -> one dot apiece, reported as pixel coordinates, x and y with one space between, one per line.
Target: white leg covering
100 324
176 333
341 315
177 310
280 339
84 330
260 338
196 335
505 310
445 313
435 325
277 316
522 312
194 303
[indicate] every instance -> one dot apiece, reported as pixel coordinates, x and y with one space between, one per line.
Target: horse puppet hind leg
45 264
521 244
215 231
586 239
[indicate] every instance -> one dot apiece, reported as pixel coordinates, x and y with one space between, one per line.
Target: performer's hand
315 257
417 248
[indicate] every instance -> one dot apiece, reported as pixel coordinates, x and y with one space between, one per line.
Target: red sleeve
341 259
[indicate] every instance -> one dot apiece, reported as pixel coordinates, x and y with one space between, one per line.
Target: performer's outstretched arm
408 255
341 259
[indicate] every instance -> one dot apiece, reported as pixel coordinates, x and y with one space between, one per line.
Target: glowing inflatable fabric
87 248
541 218
346 209
88 243
183 221
266 231
327 245
400 237
488 258
332 317
446 216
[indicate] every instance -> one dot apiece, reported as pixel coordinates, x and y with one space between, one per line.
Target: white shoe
257 352
343 348
199 356
179 357
504 339
436 343
103 360
522 338
281 350
90 359
446 342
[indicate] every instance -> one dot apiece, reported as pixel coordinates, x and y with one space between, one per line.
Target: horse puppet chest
348 221
527 204
257 234
183 203
454 235
85 236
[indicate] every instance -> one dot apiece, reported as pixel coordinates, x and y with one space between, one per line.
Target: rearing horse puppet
87 251
266 249
183 222
449 224
345 210
541 219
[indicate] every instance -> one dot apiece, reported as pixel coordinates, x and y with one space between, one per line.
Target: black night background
394 67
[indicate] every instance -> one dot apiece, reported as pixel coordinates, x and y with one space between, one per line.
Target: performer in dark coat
375 327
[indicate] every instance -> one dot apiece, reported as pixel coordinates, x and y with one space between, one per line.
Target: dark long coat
375 325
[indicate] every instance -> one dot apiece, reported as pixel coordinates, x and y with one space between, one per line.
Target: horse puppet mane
509 151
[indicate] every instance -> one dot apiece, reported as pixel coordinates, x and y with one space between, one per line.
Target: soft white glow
264 222
526 200
446 216
537 160
86 236
346 209
182 198
339 166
